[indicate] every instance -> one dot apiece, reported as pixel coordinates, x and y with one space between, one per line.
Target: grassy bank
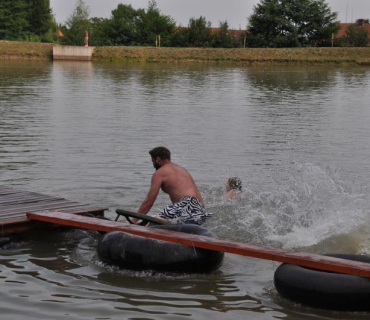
25 50
358 56
355 56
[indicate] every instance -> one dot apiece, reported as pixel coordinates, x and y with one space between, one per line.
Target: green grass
357 56
249 56
25 50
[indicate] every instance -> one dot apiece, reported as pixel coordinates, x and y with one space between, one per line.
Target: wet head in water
233 188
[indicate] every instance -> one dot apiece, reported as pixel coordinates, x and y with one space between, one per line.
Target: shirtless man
187 202
86 40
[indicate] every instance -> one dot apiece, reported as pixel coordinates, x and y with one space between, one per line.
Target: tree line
27 20
273 24
141 27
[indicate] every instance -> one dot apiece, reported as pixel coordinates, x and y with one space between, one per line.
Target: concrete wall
72 53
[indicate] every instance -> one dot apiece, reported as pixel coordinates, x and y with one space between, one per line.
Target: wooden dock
15 204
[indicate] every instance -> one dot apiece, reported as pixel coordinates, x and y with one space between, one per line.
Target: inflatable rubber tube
140 253
323 289
4 241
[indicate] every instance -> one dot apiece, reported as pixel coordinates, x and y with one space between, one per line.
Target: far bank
248 56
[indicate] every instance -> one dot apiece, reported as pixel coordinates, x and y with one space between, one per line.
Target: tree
29 20
13 19
199 31
77 23
222 38
129 26
361 21
99 29
154 23
40 17
287 23
356 36
122 28
180 37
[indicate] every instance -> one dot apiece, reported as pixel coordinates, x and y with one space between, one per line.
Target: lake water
298 137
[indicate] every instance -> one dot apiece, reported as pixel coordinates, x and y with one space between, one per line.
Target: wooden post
158 41
245 40
332 40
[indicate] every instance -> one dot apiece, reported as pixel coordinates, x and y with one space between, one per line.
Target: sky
234 11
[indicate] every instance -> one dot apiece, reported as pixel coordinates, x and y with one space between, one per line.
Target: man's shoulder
169 166
169 169
162 170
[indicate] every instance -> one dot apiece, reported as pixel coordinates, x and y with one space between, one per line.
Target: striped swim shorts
188 210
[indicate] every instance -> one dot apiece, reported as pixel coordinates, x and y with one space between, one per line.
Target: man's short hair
160 152
235 183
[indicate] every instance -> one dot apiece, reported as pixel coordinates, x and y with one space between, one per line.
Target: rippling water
298 137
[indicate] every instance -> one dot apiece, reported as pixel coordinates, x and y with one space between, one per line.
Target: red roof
344 26
234 33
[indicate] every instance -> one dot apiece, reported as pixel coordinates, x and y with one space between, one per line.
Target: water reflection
22 112
292 79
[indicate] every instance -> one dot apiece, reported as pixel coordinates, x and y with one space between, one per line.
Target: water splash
309 207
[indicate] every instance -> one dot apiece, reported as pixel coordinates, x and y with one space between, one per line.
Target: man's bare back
177 182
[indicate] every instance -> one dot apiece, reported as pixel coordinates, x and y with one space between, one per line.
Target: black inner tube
323 289
4 241
140 253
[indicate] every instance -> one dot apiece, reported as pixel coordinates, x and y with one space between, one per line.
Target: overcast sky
234 11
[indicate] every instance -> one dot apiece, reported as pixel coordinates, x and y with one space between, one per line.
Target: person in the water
187 202
233 188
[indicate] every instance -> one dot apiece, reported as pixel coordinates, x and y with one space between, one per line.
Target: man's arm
152 194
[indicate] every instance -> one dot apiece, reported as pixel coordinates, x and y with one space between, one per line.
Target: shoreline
248 56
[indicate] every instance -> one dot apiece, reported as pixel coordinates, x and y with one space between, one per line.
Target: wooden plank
17 225
14 204
14 220
58 207
75 209
12 216
83 209
20 223
45 205
304 259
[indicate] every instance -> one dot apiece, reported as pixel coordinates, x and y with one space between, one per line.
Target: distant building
234 33
362 23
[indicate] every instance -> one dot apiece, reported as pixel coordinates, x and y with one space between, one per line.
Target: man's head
234 183
159 155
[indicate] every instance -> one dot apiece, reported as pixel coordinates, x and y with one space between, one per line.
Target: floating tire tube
139 253
4 241
323 289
